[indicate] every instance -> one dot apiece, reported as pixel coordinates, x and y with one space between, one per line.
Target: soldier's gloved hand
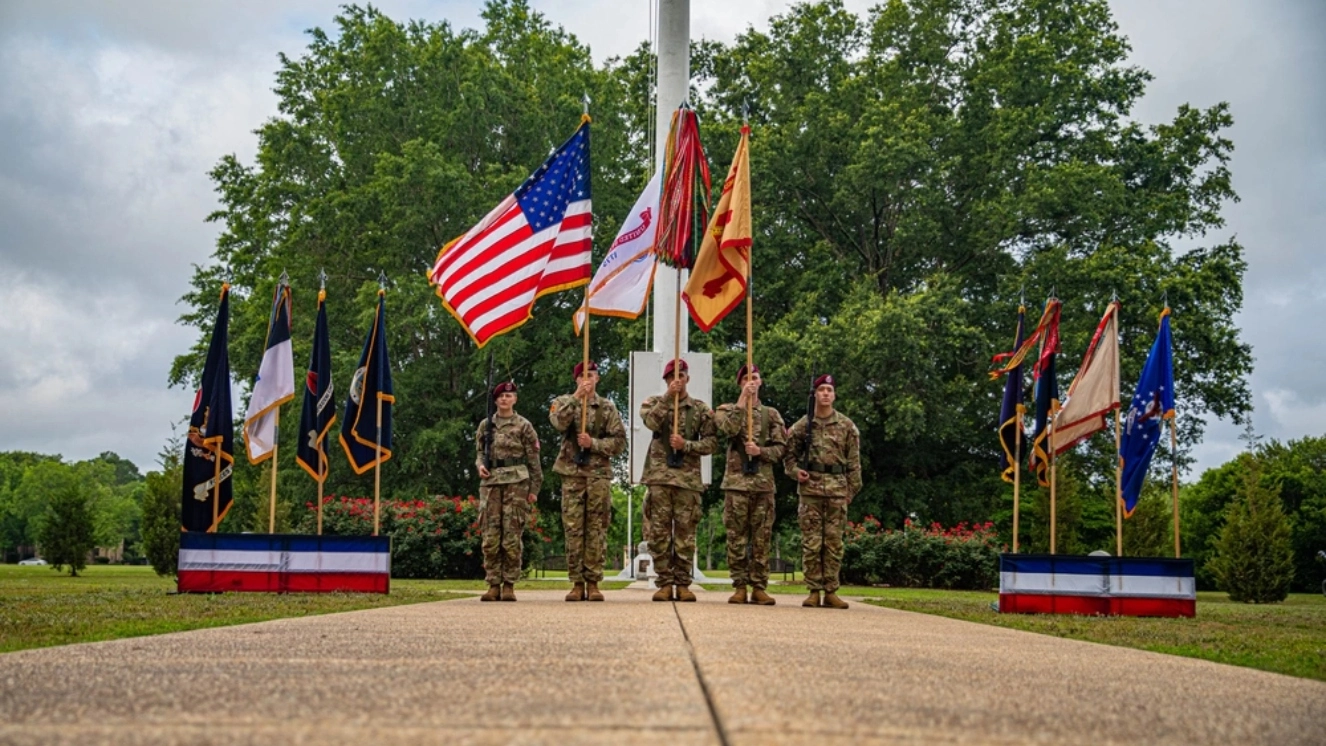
752 449
677 442
803 475
584 440
484 473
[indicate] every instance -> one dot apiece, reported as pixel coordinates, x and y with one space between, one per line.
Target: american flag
536 241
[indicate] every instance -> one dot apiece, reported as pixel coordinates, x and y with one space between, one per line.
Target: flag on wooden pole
684 206
1094 392
622 282
275 384
1153 402
365 436
319 412
718 280
536 241
209 453
1011 411
1047 393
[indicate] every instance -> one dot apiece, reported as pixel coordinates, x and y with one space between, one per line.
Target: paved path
634 672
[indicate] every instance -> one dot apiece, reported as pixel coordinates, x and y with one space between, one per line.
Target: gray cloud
113 113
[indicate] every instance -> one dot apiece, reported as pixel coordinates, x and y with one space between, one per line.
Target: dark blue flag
365 438
209 453
319 411
1010 413
1047 391
1153 402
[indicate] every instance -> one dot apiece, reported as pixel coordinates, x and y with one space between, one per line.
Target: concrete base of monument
641 570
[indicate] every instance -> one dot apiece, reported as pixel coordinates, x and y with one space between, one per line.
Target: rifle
804 460
491 420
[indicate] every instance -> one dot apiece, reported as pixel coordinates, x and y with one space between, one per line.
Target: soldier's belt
499 463
825 468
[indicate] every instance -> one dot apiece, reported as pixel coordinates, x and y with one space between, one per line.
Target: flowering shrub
962 557
433 537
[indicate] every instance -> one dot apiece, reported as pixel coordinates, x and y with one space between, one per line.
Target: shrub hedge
964 557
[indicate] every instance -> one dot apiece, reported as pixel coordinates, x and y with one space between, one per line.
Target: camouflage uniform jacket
769 429
607 433
836 446
697 427
514 441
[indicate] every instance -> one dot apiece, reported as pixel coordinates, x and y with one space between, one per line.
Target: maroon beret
826 378
504 387
576 371
742 373
667 369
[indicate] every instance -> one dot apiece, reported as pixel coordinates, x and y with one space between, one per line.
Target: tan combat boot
812 600
684 593
738 596
831 600
592 592
493 594
758 596
664 593
508 592
577 593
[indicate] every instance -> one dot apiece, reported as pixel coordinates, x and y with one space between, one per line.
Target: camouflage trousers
748 518
822 520
672 515
503 513
586 506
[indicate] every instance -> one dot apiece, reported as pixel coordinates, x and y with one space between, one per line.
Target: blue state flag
319 411
1153 402
1010 413
209 451
365 436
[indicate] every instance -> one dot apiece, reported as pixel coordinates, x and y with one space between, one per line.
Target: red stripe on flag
220 581
458 296
476 260
1044 603
459 250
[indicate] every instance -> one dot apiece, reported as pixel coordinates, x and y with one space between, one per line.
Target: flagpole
1118 483
320 483
676 355
1174 481
377 471
1053 521
1017 473
276 443
216 489
584 366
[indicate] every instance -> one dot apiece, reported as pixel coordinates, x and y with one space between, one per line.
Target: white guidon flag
621 285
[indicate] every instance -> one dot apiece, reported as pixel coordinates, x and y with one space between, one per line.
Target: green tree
66 536
1253 559
161 515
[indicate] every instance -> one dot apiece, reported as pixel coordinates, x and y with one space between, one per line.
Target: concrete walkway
629 671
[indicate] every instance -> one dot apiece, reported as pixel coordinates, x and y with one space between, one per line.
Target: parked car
33 561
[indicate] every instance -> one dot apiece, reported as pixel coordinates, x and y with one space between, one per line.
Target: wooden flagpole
584 366
1118 484
676 356
1050 440
276 443
1174 482
377 470
1017 473
216 489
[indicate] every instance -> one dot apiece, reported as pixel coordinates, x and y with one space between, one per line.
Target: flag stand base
283 563
1096 585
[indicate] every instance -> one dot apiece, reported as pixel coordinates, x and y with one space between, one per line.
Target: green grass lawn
1288 638
40 607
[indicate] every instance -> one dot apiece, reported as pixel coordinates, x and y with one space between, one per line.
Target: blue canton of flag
562 179
1153 402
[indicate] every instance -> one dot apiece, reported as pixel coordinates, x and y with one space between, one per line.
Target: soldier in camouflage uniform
585 464
507 487
748 492
828 474
672 508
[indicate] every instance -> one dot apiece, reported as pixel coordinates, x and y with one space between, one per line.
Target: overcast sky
112 113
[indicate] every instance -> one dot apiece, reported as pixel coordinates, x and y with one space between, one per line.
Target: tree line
917 171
